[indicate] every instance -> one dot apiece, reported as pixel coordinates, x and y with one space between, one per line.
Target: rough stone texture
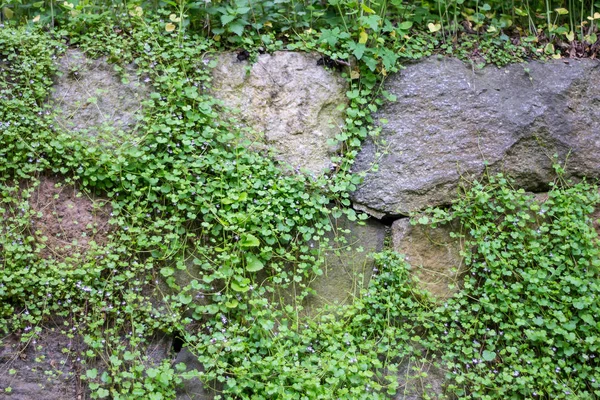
193 389
286 95
433 255
449 119
43 370
339 282
427 383
68 219
93 100
159 348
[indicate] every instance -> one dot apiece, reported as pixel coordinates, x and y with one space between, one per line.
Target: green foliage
526 323
567 23
204 229
349 353
211 242
491 50
26 68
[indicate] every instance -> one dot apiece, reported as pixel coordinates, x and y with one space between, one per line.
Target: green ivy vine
207 235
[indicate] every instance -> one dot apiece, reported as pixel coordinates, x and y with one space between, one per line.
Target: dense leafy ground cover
526 324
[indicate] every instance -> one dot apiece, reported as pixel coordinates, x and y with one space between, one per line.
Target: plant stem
548 19
581 24
52 13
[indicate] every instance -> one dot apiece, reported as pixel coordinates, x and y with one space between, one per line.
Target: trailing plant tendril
207 239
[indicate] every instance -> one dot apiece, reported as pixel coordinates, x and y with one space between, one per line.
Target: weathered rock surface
40 370
48 366
194 388
339 283
65 221
94 101
295 102
433 255
450 120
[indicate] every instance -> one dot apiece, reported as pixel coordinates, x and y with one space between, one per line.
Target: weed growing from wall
205 233
526 323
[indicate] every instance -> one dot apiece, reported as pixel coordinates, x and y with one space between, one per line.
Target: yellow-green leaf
169 27
137 12
489 355
239 288
434 27
363 37
520 13
233 303
185 298
561 11
367 9
249 240
8 13
91 373
570 36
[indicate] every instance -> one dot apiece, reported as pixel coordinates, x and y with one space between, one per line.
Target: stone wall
451 124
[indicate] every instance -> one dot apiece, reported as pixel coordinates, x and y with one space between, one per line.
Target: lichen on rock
96 103
297 104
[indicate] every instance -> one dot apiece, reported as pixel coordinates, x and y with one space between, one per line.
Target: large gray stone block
450 121
96 103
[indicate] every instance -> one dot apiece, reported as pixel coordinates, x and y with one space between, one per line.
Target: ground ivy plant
213 244
205 233
526 323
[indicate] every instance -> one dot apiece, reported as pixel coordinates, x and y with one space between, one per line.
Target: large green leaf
253 264
249 240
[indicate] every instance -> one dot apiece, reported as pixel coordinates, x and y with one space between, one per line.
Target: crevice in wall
177 344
